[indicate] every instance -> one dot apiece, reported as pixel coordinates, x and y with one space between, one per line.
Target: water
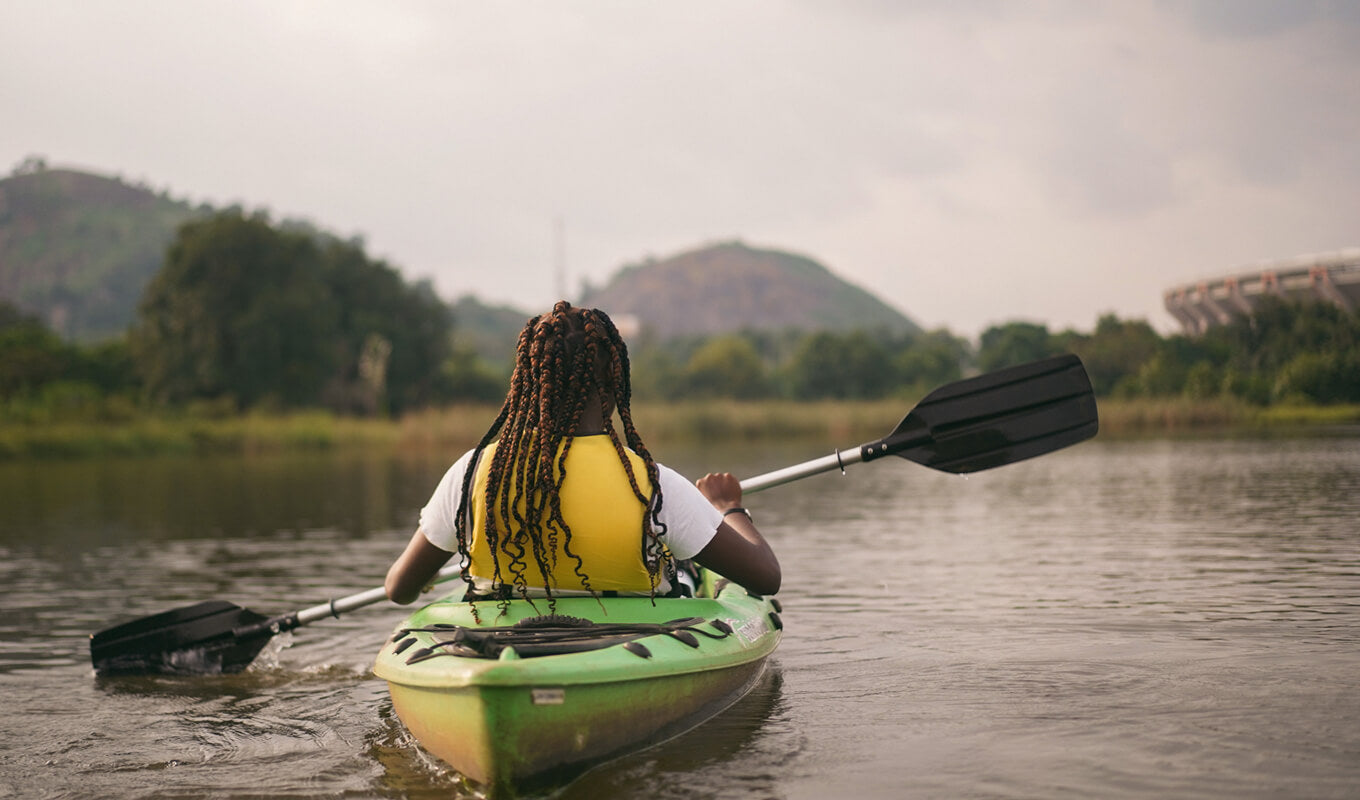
1122 619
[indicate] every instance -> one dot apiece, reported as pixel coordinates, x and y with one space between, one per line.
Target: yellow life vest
598 505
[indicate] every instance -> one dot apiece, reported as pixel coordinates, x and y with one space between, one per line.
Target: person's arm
414 569
737 551
416 566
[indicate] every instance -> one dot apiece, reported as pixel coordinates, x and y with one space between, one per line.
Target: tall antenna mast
560 258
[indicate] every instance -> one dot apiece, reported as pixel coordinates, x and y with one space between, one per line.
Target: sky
970 162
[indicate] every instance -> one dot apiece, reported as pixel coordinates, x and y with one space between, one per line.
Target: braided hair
564 359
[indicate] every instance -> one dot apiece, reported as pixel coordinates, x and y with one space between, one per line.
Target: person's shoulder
672 481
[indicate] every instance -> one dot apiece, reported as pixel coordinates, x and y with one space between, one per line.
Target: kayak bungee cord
551 635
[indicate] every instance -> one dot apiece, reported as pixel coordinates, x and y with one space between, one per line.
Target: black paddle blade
197 639
996 419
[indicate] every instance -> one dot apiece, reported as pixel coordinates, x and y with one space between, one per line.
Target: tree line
249 314
1286 352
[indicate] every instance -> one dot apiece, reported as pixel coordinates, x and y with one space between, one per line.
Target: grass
711 420
1173 416
1301 415
458 427
251 433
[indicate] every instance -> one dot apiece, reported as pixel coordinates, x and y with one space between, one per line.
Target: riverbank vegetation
435 430
257 336
453 428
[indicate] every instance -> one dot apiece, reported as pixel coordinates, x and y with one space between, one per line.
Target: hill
77 249
729 287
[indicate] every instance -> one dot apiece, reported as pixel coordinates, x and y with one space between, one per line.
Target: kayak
527 699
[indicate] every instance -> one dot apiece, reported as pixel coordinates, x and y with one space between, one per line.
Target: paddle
210 637
971 425
989 421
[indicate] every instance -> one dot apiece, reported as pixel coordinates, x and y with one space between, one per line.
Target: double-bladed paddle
988 421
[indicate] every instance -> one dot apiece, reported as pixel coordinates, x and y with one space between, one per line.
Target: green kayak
526 699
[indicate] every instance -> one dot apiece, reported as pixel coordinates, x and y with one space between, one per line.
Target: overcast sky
968 162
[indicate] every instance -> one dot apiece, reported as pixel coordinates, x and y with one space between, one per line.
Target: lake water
1122 619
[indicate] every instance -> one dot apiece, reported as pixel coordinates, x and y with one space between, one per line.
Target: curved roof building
1327 277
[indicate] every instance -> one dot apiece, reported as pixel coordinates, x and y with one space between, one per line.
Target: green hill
77 249
730 287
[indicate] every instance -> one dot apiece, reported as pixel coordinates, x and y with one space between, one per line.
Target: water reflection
745 746
118 501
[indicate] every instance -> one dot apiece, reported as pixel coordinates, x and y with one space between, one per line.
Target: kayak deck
513 707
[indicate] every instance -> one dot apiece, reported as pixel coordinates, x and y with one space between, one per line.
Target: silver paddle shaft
344 605
838 460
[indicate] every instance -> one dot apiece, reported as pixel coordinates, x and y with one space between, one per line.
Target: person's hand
737 550
722 489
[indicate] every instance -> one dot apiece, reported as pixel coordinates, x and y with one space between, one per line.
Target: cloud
985 150
1262 18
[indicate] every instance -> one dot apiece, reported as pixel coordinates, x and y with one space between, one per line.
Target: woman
552 502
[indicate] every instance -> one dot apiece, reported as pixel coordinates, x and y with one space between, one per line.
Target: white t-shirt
690 520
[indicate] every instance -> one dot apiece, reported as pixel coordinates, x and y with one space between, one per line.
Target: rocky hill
730 287
77 249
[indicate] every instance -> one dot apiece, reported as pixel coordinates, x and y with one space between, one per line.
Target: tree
380 310
240 310
44 377
465 377
31 356
931 359
1115 352
657 373
1332 377
31 165
1289 350
726 366
843 366
1015 343
258 314
11 316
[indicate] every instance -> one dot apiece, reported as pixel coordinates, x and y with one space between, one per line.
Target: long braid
582 361
538 460
461 522
528 443
653 551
